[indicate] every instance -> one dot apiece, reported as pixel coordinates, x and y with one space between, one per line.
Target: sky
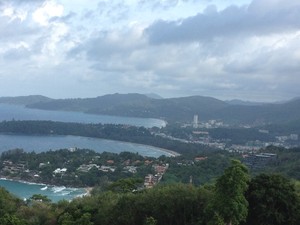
227 49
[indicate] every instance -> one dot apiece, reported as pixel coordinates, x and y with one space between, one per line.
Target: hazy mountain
106 102
138 105
25 100
261 114
171 109
241 102
153 95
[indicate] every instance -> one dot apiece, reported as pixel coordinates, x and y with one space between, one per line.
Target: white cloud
217 48
45 13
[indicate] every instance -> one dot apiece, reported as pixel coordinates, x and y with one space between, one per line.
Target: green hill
171 109
25 100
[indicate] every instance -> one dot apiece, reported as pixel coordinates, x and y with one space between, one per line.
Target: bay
45 143
18 112
25 190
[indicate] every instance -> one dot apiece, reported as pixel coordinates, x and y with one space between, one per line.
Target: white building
195 121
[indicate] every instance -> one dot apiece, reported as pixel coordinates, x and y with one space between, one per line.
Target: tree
66 219
39 197
229 203
126 185
11 220
8 203
150 221
85 219
272 201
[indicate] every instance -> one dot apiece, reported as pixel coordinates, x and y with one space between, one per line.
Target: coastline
170 152
24 181
54 192
157 151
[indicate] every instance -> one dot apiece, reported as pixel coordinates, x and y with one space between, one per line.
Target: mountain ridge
171 109
24 100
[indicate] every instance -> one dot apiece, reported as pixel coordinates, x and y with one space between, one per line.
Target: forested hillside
234 198
176 109
25 100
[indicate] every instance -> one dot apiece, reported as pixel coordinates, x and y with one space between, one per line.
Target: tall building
195 121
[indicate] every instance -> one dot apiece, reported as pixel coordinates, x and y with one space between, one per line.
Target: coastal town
203 133
86 168
68 174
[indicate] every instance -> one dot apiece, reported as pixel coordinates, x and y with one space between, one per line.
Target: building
255 161
195 121
60 171
150 181
85 168
294 137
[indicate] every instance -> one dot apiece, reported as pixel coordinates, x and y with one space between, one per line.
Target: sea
25 190
19 112
39 143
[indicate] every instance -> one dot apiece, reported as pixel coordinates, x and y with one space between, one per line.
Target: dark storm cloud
231 22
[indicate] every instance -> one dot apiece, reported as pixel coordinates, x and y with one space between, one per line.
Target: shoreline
170 153
22 181
86 190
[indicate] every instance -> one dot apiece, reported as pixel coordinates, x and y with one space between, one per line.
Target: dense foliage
229 202
184 169
272 200
287 162
27 165
178 109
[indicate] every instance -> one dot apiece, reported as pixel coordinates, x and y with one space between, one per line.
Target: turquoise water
26 190
16 112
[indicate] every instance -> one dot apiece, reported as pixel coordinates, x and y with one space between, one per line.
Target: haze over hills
240 102
24 100
170 109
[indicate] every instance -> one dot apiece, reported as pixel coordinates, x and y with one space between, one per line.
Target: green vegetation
25 100
229 203
76 168
287 162
178 109
265 199
196 189
183 169
272 200
229 135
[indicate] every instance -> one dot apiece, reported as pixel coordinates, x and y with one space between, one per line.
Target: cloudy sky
228 49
